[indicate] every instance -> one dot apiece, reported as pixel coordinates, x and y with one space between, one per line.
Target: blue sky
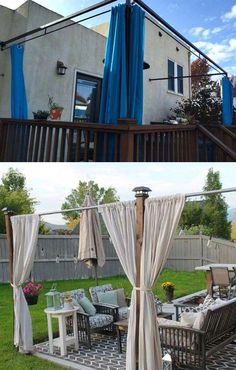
210 24
52 182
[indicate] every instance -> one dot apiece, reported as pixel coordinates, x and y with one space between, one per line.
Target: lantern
167 362
53 299
158 305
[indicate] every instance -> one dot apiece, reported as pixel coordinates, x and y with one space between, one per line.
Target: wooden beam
141 195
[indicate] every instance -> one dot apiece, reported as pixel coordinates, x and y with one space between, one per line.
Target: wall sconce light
160 34
61 68
177 49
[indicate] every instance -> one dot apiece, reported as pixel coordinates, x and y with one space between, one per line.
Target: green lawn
185 283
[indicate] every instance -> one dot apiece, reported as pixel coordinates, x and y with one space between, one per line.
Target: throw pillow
109 297
77 305
188 318
208 301
87 306
121 301
199 321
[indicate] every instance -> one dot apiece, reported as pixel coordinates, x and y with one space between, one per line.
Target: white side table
64 340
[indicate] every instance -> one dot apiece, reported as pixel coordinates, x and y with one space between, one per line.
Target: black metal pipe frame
96 6
46 33
189 76
172 29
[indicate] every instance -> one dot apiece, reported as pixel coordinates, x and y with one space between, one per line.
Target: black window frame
98 80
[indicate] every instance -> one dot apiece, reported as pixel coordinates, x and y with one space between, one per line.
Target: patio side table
63 340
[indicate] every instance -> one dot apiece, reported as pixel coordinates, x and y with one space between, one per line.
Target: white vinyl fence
56 257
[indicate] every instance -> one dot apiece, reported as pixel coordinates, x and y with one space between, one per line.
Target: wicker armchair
119 312
101 322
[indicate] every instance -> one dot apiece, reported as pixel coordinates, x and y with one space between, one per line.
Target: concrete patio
104 354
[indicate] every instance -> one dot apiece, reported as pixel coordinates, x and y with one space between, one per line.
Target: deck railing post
127 140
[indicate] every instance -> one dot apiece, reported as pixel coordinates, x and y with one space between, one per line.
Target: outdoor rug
104 355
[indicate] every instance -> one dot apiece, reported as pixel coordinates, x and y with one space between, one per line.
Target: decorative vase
169 295
31 299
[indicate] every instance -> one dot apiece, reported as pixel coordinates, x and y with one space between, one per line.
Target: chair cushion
109 297
87 306
123 313
100 320
101 288
121 301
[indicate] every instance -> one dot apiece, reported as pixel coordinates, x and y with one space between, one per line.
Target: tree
204 106
14 195
76 198
208 216
215 211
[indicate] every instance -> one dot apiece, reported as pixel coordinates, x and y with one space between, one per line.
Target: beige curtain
160 222
25 234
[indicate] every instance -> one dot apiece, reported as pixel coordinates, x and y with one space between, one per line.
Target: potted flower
41 114
54 108
168 287
31 291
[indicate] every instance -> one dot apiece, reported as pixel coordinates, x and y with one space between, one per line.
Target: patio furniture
100 322
120 312
122 327
191 347
207 269
63 340
221 286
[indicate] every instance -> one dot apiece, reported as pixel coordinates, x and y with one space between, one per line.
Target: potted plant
54 108
168 287
41 114
31 291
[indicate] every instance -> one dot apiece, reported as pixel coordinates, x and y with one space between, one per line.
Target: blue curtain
227 92
122 92
19 108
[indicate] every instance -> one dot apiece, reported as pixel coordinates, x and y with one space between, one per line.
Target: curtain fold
122 90
160 222
25 233
19 108
227 92
161 219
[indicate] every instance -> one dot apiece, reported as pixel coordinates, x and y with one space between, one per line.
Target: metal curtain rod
59 29
189 195
58 21
172 29
190 76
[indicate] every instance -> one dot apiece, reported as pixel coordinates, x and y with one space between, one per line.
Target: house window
175 85
171 73
87 98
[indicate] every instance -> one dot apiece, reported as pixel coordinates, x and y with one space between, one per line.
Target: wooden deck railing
48 141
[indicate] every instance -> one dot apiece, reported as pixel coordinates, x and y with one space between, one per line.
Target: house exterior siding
82 50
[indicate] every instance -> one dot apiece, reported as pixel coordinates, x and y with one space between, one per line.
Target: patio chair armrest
108 309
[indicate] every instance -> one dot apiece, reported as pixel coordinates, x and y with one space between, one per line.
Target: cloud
204 32
219 52
229 15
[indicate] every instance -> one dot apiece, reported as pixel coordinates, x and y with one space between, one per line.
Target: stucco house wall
81 49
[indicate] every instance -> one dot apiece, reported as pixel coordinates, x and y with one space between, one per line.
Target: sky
209 24
50 183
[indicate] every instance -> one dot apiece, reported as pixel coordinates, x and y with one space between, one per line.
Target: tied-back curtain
25 233
19 108
161 219
160 222
227 92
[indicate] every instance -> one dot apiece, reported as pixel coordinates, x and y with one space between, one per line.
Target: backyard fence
56 257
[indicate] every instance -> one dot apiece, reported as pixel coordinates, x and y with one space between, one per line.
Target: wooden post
8 213
141 195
